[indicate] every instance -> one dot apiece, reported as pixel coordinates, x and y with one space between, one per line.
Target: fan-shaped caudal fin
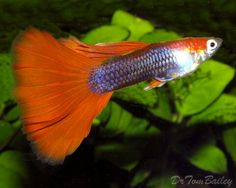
58 106
102 51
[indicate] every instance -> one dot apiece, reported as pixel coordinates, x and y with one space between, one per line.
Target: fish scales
122 71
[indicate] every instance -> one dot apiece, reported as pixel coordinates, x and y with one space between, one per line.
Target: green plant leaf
13 160
122 121
209 158
2 106
136 94
139 129
6 78
106 33
159 35
162 108
17 124
229 137
103 116
194 93
117 154
134 133
9 179
135 25
13 114
118 121
221 111
161 181
139 177
6 132
13 172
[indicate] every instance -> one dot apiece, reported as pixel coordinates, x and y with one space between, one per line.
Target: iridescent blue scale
152 62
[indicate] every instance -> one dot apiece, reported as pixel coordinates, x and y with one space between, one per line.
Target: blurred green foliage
222 111
193 95
230 141
6 77
141 133
113 34
214 159
136 26
13 171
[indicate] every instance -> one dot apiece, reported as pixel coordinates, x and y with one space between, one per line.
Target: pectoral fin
153 84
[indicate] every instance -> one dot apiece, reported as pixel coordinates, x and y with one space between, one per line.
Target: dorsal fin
102 51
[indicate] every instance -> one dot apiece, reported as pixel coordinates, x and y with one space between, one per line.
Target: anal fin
154 84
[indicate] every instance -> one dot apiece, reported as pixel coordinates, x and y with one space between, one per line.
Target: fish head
191 52
204 48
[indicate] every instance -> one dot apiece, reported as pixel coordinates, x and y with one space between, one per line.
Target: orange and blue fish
62 85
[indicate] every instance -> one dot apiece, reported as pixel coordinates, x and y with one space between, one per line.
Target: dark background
77 17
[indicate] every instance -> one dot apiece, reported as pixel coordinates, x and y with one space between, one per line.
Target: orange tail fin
58 106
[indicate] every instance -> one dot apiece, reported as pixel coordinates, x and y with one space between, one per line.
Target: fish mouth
210 53
219 42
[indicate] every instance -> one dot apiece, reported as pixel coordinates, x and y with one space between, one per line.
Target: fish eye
211 44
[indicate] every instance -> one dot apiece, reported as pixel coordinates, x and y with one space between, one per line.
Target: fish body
163 62
62 85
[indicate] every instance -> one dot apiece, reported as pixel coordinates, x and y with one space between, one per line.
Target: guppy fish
62 85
